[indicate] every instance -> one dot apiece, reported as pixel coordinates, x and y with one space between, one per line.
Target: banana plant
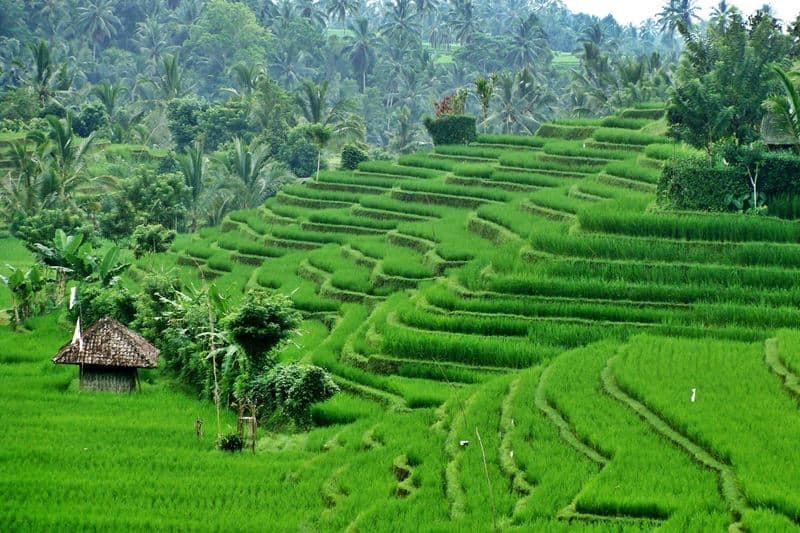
24 286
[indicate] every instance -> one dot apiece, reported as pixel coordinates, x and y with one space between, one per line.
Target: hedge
698 183
451 129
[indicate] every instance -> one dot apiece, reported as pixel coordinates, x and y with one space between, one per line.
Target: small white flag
694 394
73 293
76 337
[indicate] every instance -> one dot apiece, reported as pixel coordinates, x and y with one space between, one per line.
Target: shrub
299 154
352 155
785 206
451 129
95 302
230 442
151 239
91 118
292 390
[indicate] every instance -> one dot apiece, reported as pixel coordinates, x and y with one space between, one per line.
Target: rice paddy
521 340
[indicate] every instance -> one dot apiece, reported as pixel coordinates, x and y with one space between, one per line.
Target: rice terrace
521 269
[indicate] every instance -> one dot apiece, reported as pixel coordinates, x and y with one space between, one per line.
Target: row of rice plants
316 194
633 171
741 412
406 263
664 152
482 502
511 140
474 170
426 161
644 476
605 246
385 203
510 217
558 200
482 152
789 349
253 219
537 284
390 168
627 123
456 190
569 133
580 149
462 348
528 178
689 226
670 273
338 218
623 136
531 161
347 178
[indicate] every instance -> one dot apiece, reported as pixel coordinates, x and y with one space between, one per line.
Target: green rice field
522 341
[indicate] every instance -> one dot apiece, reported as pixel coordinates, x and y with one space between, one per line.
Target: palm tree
529 41
289 65
44 69
401 24
66 155
484 88
406 136
108 93
316 107
97 20
340 9
463 21
784 110
247 77
360 49
169 84
255 175
151 39
20 193
193 165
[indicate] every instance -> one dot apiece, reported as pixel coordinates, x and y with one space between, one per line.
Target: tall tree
784 109
360 48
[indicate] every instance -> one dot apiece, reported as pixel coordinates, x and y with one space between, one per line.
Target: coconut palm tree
66 155
529 41
96 19
784 110
360 48
400 25
193 165
340 9
463 20
317 107
108 93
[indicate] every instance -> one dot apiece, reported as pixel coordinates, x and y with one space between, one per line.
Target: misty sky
629 11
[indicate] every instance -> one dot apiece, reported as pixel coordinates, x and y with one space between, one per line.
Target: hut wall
108 378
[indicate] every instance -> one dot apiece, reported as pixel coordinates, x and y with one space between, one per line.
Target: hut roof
109 343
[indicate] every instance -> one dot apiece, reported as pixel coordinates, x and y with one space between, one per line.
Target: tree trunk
319 160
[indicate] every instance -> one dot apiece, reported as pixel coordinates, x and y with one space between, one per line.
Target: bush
299 154
151 239
699 183
91 118
291 390
451 129
785 206
230 442
696 183
352 155
95 302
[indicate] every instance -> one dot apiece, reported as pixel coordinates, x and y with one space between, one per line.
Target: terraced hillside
611 366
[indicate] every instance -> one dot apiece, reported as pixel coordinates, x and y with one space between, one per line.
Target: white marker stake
73 293
694 394
76 337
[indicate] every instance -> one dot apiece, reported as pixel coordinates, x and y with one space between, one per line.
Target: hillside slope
611 366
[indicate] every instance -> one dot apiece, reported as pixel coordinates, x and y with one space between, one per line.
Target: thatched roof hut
109 357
